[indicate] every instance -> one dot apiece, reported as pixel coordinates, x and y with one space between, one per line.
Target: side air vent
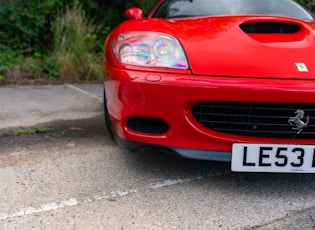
147 125
270 28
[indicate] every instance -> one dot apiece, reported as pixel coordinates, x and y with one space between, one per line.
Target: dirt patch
56 132
17 76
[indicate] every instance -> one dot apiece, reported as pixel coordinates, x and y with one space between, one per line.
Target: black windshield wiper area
194 15
184 16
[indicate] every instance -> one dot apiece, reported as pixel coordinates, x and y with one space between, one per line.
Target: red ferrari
228 80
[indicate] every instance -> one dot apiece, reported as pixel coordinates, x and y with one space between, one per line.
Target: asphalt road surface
70 174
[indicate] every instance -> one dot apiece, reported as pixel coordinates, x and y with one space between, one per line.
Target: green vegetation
8 59
60 39
73 43
57 39
30 131
23 132
309 4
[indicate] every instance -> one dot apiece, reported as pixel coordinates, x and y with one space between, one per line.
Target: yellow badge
301 67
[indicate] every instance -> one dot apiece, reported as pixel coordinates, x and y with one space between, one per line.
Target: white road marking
172 182
84 92
42 208
115 194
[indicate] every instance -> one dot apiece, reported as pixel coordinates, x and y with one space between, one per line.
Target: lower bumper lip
195 154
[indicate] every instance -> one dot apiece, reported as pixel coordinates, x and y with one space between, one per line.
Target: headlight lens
149 49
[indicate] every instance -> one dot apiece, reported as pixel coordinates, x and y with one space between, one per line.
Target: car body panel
207 40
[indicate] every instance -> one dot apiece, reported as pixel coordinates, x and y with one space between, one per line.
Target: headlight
149 49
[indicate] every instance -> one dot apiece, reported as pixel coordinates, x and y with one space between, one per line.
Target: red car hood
218 45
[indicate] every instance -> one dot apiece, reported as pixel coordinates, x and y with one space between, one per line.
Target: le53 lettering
280 156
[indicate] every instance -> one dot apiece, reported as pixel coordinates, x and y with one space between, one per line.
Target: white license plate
273 158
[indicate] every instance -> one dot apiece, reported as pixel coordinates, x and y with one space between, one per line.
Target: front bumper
169 98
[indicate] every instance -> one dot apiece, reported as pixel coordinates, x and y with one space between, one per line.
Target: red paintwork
217 46
226 64
134 13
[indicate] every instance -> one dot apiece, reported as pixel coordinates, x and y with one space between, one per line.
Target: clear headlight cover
149 49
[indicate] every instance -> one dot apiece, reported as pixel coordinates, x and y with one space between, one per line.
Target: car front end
201 86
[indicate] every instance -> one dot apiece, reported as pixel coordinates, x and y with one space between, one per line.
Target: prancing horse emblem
297 120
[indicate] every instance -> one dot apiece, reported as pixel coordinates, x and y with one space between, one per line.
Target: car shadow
155 163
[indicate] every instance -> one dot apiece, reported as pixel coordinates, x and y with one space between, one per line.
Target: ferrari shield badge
298 122
301 67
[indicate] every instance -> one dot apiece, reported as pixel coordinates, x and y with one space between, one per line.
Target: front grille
268 120
270 28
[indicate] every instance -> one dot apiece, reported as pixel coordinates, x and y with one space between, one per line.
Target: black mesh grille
270 27
255 119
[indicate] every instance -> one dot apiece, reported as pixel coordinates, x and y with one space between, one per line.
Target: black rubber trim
195 154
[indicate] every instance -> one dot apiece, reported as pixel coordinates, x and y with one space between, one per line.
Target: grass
27 131
74 56
23 132
74 46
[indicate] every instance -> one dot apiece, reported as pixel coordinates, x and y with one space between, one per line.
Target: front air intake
270 28
147 125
